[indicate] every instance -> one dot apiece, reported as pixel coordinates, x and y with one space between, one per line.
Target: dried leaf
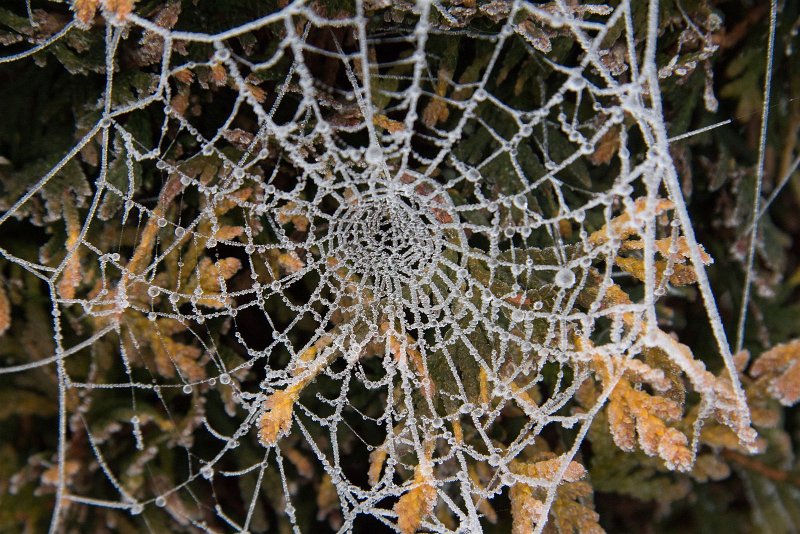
290 262
327 497
71 276
546 470
304 466
606 147
276 418
120 8
376 461
484 506
151 45
535 35
290 213
386 123
180 103
416 504
663 246
85 10
622 226
403 350
50 476
170 354
681 275
218 74
238 137
633 412
719 436
226 233
526 510
232 200
184 76
436 111
779 369
710 467
568 513
209 274
258 93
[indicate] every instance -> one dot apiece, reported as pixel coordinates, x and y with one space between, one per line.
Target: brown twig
757 466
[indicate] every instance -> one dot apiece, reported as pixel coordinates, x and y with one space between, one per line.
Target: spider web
395 249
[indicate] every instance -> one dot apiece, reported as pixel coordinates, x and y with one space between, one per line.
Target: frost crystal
420 247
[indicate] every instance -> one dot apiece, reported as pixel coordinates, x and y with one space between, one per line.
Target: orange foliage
85 10
779 370
416 504
5 311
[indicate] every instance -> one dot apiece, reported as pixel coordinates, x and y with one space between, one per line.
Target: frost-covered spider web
378 255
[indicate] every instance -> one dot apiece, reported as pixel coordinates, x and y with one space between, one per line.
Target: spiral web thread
438 294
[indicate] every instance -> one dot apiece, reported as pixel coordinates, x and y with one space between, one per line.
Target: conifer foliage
414 266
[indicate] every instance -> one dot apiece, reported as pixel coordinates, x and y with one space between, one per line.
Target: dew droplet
222 54
576 83
187 389
373 155
565 278
206 472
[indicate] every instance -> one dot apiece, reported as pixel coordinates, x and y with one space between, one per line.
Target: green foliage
53 101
